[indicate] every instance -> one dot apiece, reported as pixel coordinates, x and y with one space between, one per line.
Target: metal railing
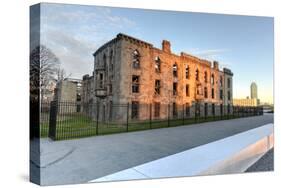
69 120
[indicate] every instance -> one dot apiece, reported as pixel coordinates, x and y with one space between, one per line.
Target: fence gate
53 120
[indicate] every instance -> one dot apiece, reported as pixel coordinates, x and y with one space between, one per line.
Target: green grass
79 126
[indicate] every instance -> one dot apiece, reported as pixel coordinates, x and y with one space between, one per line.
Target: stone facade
88 89
157 81
68 95
88 97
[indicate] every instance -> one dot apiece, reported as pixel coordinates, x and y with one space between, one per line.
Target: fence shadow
70 120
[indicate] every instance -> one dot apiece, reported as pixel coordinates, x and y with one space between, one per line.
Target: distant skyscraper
254 91
253 101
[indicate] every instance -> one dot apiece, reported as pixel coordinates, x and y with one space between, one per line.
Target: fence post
228 111
206 111
221 111
183 112
256 111
150 115
196 112
251 111
168 115
214 112
127 125
238 111
97 126
53 120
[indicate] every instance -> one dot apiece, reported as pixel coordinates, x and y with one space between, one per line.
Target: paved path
95 157
265 163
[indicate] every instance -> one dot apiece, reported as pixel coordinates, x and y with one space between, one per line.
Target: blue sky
242 43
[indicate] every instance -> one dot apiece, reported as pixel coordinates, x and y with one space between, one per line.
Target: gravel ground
263 164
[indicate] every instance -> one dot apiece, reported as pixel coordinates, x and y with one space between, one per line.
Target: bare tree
44 65
61 75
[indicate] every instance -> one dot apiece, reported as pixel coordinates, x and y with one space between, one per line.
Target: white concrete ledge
233 154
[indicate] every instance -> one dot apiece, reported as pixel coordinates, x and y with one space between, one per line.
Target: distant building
245 102
68 95
68 90
254 91
253 101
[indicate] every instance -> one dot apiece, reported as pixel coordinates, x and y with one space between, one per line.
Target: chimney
85 77
216 65
166 46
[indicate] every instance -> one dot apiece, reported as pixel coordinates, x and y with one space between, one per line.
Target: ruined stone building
155 81
88 93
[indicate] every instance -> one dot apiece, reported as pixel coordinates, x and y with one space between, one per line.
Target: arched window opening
212 79
104 60
111 60
175 70
206 77
205 92
111 65
187 72
136 59
157 64
197 74
221 81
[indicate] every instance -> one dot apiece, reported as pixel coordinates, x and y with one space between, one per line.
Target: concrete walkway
246 148
86 159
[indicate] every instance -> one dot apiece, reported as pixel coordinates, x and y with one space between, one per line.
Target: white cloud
210 54
74 54
74 33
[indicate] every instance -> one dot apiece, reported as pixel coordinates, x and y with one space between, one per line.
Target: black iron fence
69 120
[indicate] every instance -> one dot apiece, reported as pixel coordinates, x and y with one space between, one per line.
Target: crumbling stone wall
117 81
